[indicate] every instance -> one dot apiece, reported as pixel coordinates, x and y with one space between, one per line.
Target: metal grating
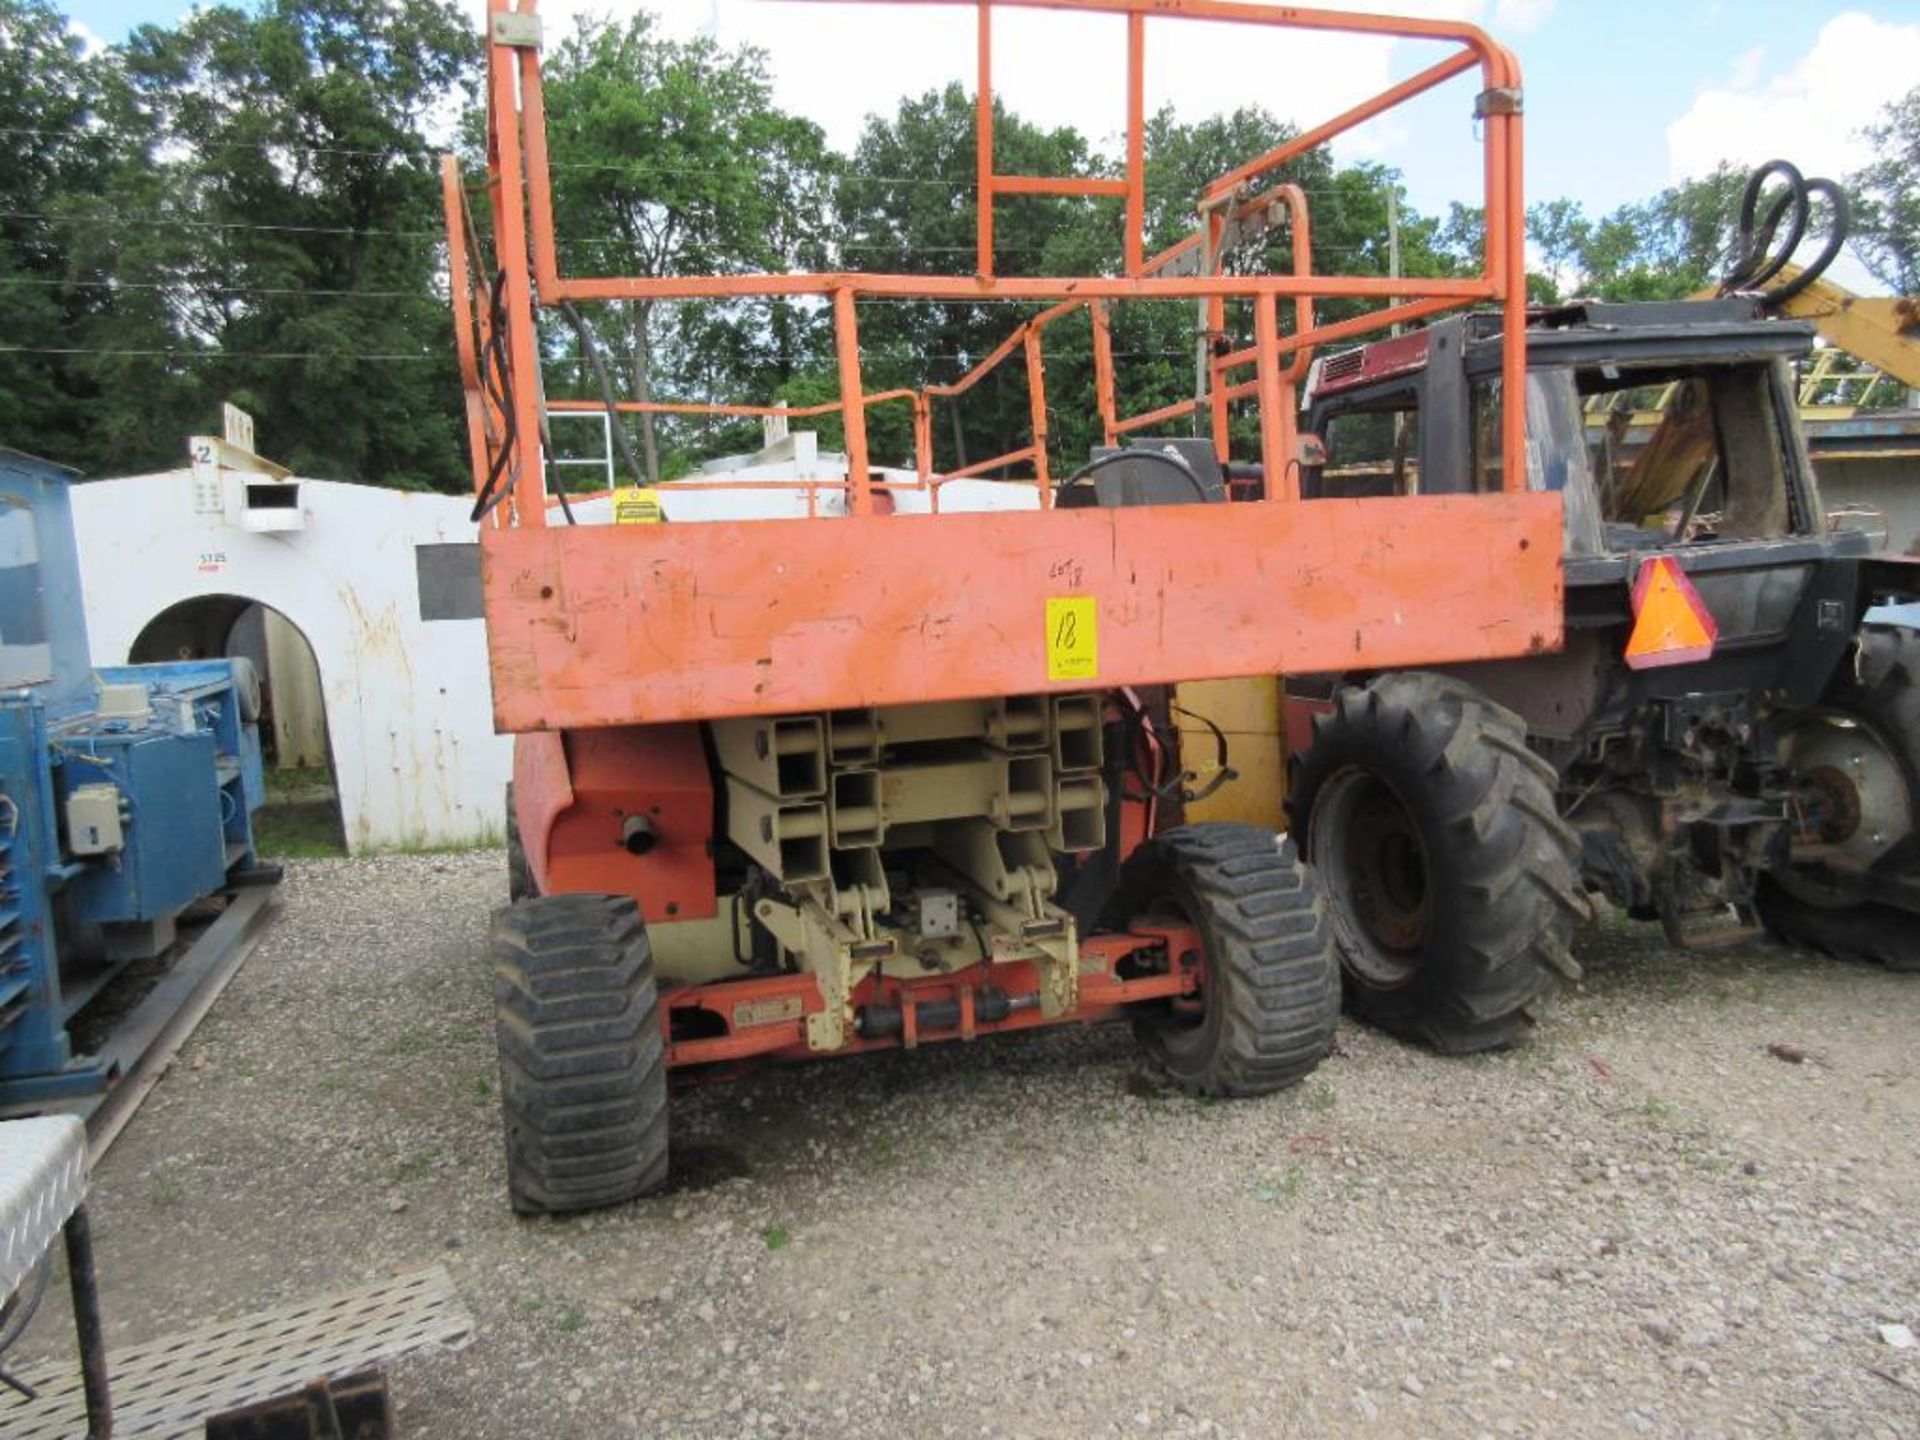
168 1387
1343 366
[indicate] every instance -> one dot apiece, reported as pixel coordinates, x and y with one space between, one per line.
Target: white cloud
1519 17
1811 113
90 43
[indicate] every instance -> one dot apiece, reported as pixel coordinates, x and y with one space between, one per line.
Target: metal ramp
167 1387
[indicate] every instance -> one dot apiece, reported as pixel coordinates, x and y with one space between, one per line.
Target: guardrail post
983 142
1103 371
923 437
1037 410
853 405
1275 399
1135 242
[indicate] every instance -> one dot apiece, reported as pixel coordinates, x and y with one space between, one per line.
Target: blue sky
1623 96
1606 80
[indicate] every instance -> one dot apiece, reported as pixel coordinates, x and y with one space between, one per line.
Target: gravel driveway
1644 1223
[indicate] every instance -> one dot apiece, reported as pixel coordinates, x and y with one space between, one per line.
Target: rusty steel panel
599 625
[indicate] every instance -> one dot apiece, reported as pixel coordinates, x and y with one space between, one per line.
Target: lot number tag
1073 638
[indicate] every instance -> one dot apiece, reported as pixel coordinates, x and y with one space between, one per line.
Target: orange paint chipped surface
593 625
606 626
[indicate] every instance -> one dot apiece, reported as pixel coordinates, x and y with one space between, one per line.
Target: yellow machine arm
1883 332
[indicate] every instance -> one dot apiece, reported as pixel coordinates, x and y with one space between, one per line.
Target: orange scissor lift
903 770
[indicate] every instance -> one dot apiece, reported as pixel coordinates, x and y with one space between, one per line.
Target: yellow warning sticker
1073 637
633 505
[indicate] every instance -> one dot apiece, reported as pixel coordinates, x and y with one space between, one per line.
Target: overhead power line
203 355
430 154
565 242
171 285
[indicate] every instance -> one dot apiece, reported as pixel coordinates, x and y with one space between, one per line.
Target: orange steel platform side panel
594 625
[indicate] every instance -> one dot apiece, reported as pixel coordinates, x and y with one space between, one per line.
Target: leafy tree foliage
907 203
1664 248
672 158
245 205
274 199
1887 193
49 150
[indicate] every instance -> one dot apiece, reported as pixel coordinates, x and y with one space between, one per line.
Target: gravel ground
1644 1223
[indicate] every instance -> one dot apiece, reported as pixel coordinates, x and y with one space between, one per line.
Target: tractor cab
1661 425
1722 742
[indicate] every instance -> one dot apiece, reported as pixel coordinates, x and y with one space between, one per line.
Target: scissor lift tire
520 884
583 1075
1270 995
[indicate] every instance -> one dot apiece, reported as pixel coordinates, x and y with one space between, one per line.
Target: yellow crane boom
1884 332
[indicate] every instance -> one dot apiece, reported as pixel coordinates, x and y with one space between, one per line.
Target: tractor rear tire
1270 996
1880 698
520 884
1452 883
583 1078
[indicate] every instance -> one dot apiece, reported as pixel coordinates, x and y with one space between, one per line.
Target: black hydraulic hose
1837 228
1761 251
1756 259
496 374
590 347
499 387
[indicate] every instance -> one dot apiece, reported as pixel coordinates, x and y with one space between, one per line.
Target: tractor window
1556 451
1695 453
1375 451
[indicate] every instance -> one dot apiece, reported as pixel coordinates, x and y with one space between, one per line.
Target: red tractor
1727 742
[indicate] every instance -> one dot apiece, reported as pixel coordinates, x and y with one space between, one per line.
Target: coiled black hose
1762 251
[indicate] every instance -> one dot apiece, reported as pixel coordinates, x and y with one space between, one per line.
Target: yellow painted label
1073 637
635 506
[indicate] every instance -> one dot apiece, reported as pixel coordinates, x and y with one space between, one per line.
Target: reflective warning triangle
1671 623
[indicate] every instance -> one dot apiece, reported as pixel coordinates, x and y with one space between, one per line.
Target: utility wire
181 222
273 147
1063 357
219 354
174 285
568 242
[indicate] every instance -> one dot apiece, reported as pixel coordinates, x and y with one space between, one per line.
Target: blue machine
126 795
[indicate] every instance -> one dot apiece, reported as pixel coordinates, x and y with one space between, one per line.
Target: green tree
270 233
1670 246
50 148
906 203
1887 193
672 159
1558 232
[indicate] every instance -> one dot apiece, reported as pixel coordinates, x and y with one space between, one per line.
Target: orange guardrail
603 625
528 263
